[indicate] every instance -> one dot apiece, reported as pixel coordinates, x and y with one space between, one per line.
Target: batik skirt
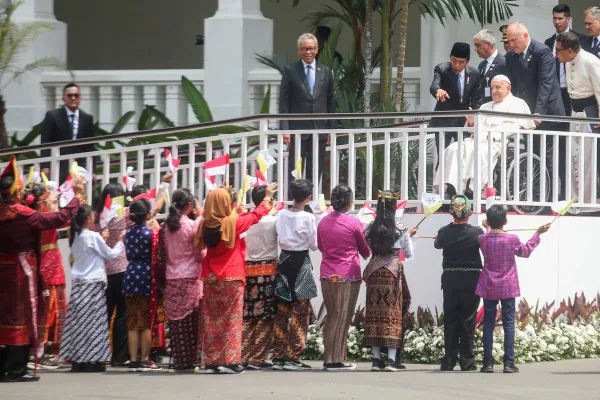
223 322
86 328
184 310
259 294
53 326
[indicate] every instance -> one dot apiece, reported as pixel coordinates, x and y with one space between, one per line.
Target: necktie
72 123
523 61
458 86
484 67
595 42
310 79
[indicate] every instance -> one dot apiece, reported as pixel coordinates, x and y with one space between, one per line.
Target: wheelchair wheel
520 193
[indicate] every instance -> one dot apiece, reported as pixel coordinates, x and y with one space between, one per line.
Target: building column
25 98
437 40
233 36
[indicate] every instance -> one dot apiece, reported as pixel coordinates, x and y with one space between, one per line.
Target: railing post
263 127
477 127
55 165
315 166
281 169
174 154
423 162
386 162
192 167
404 153
369 168
333 166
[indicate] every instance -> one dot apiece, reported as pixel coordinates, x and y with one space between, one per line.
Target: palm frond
273 61
482 12
46 62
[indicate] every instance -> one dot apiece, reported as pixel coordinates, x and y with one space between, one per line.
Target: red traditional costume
20 229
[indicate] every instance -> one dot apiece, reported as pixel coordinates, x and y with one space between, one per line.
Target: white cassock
510 104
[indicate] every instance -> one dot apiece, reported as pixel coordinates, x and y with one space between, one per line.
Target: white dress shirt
89 252
261 240
461 78
583 76
297 231
75 121
490 60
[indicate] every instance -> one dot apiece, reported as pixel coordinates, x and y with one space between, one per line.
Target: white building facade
126 55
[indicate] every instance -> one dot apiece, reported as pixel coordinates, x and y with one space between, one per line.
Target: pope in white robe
503 101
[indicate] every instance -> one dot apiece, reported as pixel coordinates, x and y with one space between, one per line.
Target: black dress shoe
510 369
487 369
28 377
469 367
78 367
446 367
96 367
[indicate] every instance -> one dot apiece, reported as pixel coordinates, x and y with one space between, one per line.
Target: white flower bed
558 340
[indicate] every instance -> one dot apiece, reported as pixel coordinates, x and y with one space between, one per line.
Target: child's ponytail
78 221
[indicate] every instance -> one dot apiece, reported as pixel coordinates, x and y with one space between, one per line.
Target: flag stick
421 221
424 237
521 229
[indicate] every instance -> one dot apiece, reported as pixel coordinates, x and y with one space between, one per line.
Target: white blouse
297 231
89 252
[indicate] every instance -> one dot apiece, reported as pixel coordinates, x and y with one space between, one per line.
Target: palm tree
14 39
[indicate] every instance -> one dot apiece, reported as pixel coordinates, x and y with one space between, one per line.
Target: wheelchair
520 192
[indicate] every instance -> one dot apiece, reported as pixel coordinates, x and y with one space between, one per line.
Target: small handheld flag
106 214
172 162
218 166
562 207
431 203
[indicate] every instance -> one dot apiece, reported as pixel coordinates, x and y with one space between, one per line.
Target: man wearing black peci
456 86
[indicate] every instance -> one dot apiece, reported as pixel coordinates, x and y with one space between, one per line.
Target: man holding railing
503 101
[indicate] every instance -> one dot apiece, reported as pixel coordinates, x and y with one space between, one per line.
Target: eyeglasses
308 49
73 95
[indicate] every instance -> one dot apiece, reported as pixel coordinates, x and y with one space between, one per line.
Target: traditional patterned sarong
259 311
295 280
340 301
183 304
291 327
18 299
223 321
86 328
383 314
55 314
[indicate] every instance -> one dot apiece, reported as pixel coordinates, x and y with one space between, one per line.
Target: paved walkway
571 380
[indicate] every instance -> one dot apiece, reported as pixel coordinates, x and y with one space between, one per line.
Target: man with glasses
67 123
306 88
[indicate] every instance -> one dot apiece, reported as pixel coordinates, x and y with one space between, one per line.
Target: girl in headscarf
384 277
223 271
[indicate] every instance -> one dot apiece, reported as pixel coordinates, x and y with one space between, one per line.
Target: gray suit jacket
294 96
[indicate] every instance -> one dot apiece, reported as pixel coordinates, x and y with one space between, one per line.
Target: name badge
488 92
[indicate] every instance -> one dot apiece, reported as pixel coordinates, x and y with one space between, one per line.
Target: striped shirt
499 278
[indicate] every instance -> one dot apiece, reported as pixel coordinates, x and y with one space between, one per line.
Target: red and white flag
66 191
129 181
260 178
106 214
150 196
366 212
400 208
173 162
67 185
209 182
218 166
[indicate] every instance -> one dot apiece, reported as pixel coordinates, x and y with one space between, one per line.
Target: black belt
579 104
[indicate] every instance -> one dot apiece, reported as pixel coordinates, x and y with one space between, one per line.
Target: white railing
109 94
368 159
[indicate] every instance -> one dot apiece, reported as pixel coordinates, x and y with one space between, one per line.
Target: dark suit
587 44
56 128
537 84
444 78
295 97
564 92
498 67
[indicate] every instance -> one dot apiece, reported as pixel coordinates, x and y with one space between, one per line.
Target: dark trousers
460 312
551 142
564 92
13 361
306 152
116 300
508 324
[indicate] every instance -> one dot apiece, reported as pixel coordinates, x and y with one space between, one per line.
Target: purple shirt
340 238
499 278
